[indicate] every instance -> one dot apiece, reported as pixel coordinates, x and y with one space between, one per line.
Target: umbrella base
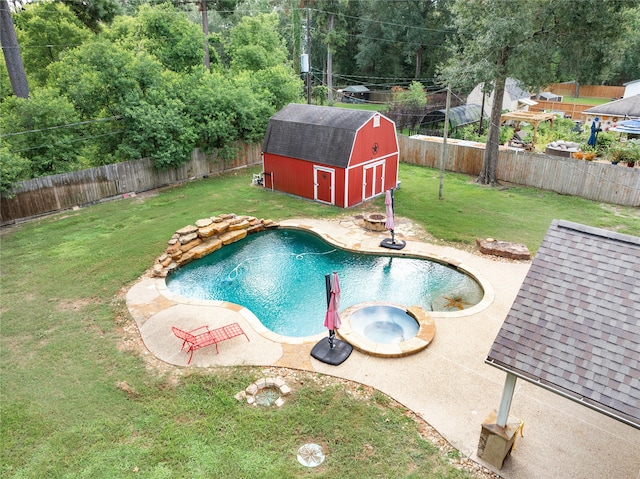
339 354
389 243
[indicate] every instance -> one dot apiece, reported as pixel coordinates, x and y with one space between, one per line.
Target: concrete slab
448 384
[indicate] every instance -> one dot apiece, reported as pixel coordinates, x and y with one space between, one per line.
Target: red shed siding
383 138
296 177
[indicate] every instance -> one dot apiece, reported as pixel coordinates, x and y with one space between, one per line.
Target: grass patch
362 106
61 355
512 213
585 100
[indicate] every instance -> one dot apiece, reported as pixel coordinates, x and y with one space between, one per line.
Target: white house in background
515 98
631 88
609 114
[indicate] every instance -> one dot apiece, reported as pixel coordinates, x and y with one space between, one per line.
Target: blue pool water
279 275
384 324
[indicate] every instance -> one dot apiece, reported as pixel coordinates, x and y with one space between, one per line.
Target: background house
631 88
515 98
354 94
609 114
332 155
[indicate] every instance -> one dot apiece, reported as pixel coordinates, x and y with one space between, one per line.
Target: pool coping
447 384
366 243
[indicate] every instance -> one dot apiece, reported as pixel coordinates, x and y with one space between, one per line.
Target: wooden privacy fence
570 110
592 180
59 192
587 91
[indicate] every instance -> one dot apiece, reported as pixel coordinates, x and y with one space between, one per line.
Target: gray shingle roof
320 134
574 327
629 107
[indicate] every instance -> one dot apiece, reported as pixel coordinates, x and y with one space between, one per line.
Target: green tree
44 31
279 85
319 94
330 32
344 57
414 96
498 39
13 168
94 13
161 130
255 44
106 83
43 130
592 58
5 82
101 78
211 109
628 68
403 39
175 41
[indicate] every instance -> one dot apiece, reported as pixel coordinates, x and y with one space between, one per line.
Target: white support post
505 402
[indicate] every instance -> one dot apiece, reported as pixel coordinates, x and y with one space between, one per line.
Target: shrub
629 152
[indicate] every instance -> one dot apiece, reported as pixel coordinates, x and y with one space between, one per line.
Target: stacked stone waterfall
206 236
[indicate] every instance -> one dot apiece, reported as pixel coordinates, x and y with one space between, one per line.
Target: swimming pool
279 274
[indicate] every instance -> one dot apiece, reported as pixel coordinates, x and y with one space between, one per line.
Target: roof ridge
592 230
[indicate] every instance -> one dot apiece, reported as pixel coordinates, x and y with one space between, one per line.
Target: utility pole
444 142
330 64
11 52
309 53
205 30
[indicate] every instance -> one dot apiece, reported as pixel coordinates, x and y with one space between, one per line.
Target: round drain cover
310 455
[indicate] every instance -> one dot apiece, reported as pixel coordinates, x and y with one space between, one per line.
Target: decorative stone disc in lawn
310 455
267 396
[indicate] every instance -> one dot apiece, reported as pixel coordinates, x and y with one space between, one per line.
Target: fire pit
375 222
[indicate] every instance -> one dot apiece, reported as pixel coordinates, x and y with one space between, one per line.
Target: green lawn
66 413
362 106
585 101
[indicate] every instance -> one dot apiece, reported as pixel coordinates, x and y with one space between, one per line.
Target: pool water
279 275
384 324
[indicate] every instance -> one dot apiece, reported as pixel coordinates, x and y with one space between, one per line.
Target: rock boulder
503 249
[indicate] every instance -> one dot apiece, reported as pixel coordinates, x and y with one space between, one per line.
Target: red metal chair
203 336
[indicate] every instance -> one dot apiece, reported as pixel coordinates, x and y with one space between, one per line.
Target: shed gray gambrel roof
574 327
319 134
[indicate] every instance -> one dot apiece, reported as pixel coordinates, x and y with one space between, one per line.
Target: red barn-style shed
332 155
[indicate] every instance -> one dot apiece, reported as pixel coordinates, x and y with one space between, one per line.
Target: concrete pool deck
447 384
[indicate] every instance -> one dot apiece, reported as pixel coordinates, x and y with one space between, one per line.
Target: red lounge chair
203 336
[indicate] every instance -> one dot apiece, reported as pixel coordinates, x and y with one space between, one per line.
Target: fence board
570 110
591 180
587 91
595 181
59 192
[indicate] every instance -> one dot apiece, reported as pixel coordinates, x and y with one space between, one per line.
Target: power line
61 126
426 29
84 138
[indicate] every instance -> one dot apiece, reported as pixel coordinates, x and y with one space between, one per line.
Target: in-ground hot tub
384 323
386 329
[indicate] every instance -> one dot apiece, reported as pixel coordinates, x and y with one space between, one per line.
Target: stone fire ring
265 392
375 222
